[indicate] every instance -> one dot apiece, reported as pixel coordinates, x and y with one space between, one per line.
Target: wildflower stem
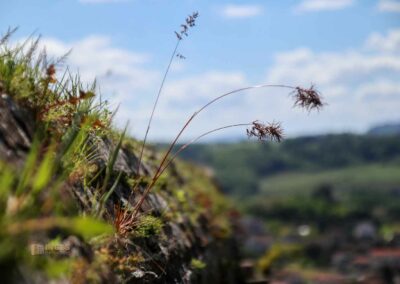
156 103
244 89
166 155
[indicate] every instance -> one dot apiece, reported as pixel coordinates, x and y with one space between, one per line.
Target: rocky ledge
189 238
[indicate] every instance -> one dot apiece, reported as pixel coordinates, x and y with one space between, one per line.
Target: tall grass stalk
155 105
194 140
306 98
190 22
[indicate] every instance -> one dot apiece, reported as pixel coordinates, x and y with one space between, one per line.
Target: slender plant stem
208 104
241 90
155 104
164 159
213 101
183 147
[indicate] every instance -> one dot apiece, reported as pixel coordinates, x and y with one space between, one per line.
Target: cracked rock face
16 130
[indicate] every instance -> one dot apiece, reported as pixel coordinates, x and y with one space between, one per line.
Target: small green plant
197 264
36 200
109 171
148 226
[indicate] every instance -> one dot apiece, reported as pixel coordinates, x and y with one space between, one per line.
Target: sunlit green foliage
148 226
36 200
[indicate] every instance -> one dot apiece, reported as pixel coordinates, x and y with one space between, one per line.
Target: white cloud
241 11
204 86
323 5
96 57
389 6
124 80
379 90
101 1
385 43
328 68
361 85
182 97
121 74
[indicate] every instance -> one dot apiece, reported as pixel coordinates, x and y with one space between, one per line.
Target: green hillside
324 179
242 168
368 177
341 195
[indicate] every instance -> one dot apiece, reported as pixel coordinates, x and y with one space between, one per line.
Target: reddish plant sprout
308 98
123 220
271 131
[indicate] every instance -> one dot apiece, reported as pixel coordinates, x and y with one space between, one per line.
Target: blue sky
350 49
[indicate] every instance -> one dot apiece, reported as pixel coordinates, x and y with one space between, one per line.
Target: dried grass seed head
308 98
190 22
271 131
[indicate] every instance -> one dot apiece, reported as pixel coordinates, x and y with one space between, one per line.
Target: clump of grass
36 201
125 223
66 111
59 104
306 98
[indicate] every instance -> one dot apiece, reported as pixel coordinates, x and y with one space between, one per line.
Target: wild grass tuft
67 120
